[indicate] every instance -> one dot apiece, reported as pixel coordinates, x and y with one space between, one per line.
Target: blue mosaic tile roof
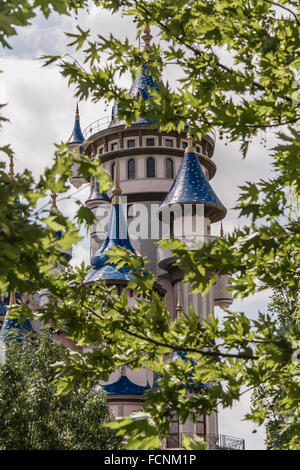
117 235
191 185
141 87
77 135
97 195
124 386
191 384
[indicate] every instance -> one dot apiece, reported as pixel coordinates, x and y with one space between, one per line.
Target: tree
33 417
254 92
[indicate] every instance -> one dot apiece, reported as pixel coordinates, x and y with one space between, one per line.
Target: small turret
77 135
12 325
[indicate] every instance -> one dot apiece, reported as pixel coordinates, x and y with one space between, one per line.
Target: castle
155 172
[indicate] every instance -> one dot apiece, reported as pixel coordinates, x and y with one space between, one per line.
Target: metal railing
214 441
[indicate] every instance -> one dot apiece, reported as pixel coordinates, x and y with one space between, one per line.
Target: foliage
279 436
255 92
34 417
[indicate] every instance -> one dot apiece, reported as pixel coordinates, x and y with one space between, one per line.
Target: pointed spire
179 307
221 230
189 147
11 168
77 112
116 191
147 36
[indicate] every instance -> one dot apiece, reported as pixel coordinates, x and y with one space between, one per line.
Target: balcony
214 441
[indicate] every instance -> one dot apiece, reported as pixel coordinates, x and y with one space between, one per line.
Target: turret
75 142
222 298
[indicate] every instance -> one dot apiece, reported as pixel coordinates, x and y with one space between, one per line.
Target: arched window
131 169
169 168
150 167
112 171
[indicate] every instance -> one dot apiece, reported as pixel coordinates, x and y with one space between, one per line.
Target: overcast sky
41 112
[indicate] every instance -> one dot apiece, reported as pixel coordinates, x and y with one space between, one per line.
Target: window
114 146
130 143
100 150
131 169
169 143
150 142
112 171
184 145
169 168
150 167
198 149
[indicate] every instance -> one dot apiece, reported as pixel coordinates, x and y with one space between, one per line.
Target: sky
41 111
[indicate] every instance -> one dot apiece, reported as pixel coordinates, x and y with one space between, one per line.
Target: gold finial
147 36
179 307
116 191
12 300
53 201
11 168
77 112
189 147
221 231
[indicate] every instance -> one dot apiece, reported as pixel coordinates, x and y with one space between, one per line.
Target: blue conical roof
117 235
191 186
142 84
76 136
96 195
124 386
12 324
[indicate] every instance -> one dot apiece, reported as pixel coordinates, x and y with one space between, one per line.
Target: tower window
169 143
169 168
184 145
131 169
114 146
112 170
198 149
150 167
130 143
150 142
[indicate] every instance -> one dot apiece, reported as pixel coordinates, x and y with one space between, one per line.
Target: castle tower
158 170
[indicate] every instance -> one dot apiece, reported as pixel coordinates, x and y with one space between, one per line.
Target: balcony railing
103 123
214 441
